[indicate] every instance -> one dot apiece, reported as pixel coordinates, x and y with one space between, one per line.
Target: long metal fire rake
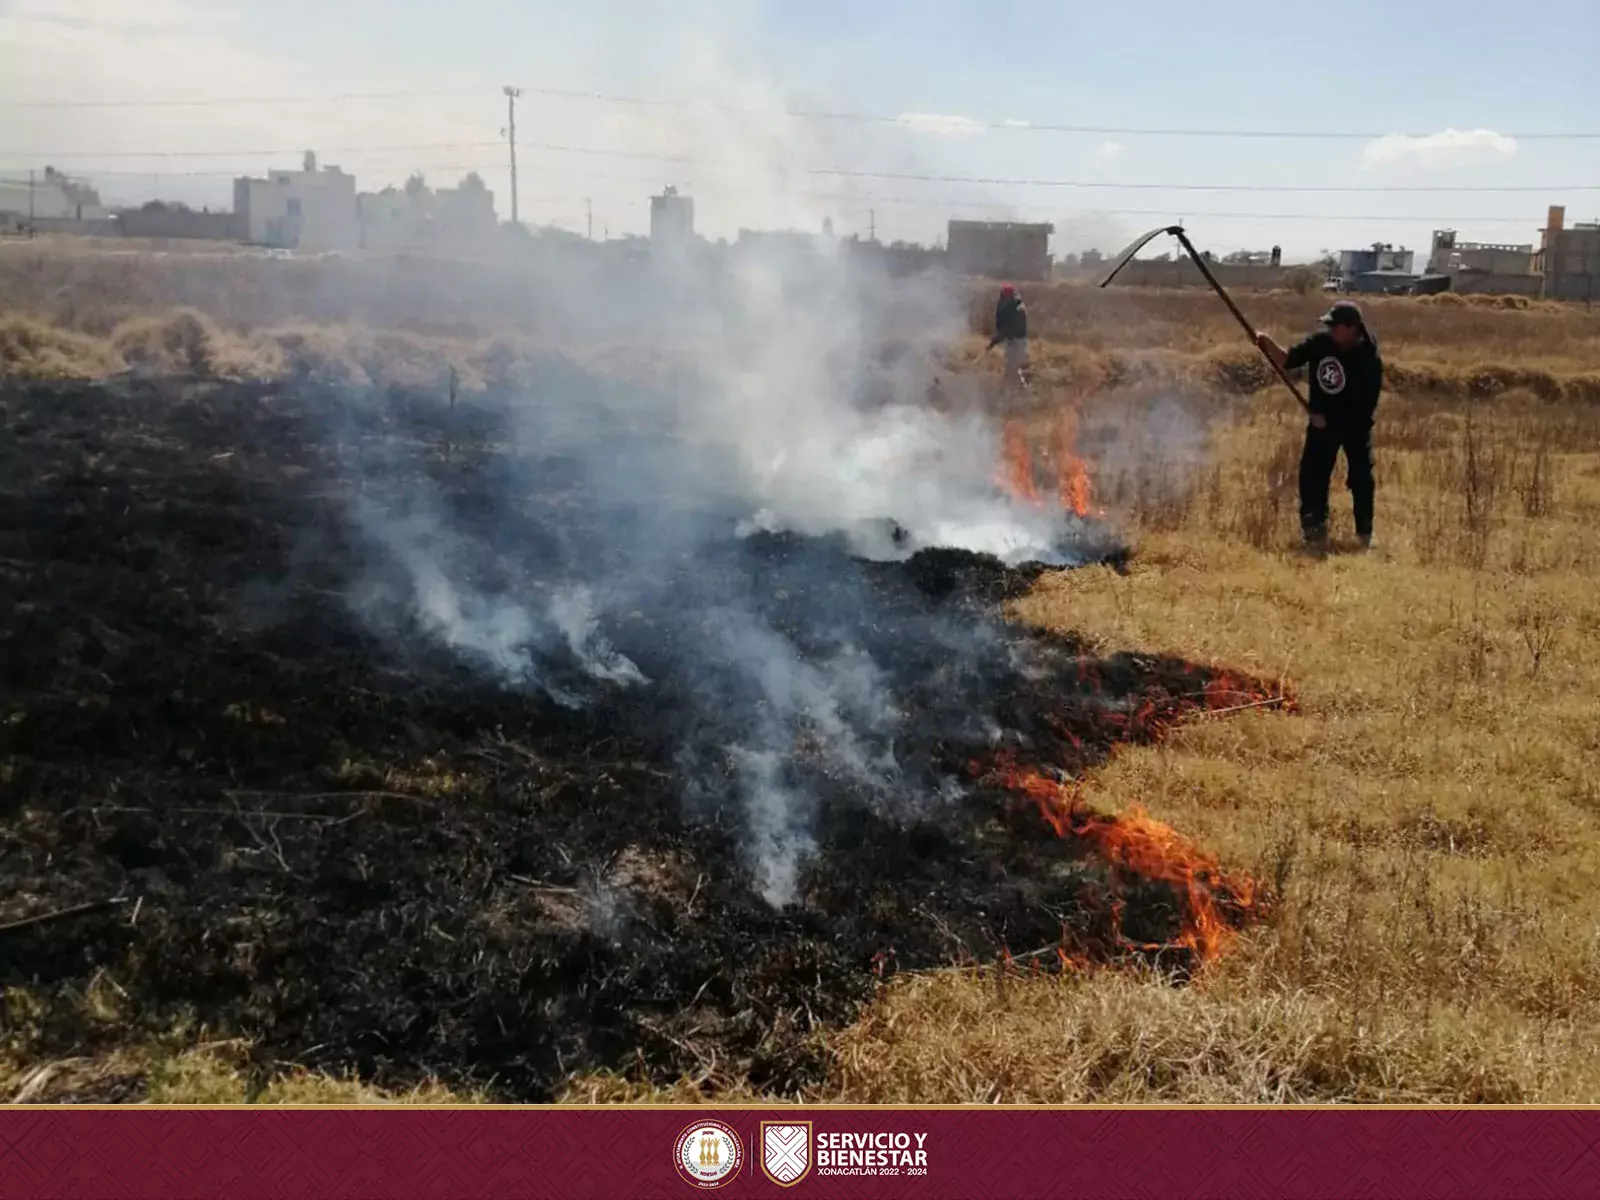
1176 231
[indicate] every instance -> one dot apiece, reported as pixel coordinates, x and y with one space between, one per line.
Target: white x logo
785 1151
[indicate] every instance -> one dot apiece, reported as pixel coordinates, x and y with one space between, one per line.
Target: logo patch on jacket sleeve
1330 376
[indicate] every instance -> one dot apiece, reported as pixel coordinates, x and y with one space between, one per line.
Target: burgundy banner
242 1153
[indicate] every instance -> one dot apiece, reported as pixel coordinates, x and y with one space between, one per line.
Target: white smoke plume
771 407
572 609
495 633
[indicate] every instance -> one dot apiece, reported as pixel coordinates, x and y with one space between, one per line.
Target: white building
671 218
50 195
309 209
417 216
1449 256
1380 256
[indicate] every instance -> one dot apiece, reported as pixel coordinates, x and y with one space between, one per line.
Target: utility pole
30 204
589 208
511 139
872 224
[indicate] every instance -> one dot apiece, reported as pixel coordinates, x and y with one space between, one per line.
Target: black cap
1344 312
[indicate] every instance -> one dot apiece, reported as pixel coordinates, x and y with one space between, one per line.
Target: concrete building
671 218
896 259
793 243
1450 255
309 209
1381 282
158 220
999 249
1182 272
1569 257
1380 256
417 217
50 195
466 210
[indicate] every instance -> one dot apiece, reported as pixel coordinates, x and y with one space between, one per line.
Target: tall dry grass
1431 820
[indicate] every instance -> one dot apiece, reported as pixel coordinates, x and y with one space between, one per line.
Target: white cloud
1014 123
1109 150
1437 149
947 126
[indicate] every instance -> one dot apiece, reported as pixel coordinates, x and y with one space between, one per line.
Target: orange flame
1016 475
1072 476
1138 844
1016 464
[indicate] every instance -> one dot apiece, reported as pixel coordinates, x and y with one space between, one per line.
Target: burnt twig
353 795
61 914
267 842
197 811
945 929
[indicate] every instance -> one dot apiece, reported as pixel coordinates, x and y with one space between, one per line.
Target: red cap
1006 289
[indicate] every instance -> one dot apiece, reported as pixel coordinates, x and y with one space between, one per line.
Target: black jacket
1344 383
1010 320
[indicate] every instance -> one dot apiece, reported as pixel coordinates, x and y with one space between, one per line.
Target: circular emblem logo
1330 376
708 1154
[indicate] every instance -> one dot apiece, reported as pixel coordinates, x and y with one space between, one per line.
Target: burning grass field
1204 820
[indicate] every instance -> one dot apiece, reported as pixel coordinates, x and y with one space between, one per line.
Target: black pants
1316 472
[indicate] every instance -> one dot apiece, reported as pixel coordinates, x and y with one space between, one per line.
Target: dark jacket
1010 320
1344 383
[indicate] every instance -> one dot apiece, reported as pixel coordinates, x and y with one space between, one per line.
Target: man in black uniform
1346 377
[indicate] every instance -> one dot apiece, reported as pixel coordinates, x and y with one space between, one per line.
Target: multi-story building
671 218
1569 257
1450 256
309 209
50 196
417 217
999 249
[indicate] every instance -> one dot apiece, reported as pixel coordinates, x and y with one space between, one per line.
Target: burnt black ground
359 852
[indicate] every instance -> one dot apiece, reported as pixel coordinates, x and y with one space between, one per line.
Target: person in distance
1011 329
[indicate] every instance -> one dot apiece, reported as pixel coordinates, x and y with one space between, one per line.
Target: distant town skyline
916 113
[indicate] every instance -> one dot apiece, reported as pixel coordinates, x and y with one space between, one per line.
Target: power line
997 181
837 172
325 150
223 101
904 120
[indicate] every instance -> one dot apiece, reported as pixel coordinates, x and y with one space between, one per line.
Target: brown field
1429 822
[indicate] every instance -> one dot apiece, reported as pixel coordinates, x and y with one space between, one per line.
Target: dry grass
182 1065
1431 820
